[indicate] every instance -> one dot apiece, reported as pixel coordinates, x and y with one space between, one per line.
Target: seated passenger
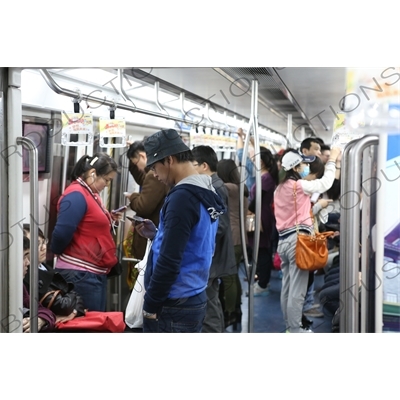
46 318
67 304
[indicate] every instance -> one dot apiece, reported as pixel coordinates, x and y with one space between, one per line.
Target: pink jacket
284 201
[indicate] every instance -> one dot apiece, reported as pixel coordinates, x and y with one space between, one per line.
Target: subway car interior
50 117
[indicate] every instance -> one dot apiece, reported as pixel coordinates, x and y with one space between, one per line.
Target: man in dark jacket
179 262
224 261
148 202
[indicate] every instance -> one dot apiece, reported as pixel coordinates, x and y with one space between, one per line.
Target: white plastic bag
134 309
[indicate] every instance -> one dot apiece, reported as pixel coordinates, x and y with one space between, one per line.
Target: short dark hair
134 148
317 167
270 163
27 229
185 156
228 171
318 140
206 154
27 243
306 143
325 147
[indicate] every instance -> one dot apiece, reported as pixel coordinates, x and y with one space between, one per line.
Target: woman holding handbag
292 217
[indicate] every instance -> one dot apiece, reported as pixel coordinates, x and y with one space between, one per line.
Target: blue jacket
250 169
179 262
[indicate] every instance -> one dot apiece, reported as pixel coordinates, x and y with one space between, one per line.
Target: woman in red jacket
82 238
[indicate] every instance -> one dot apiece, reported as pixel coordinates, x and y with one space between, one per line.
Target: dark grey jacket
223 262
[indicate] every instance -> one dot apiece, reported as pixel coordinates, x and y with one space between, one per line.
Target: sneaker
313 313
305 322
259 291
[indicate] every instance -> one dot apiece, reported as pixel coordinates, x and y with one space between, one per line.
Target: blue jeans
309 300
179 316
91 287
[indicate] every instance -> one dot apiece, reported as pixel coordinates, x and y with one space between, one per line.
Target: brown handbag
311 250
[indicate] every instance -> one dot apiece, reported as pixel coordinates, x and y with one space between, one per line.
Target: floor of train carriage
267 310
267 313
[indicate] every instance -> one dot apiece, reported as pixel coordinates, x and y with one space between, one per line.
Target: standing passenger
149 201
250 167
223 262
269 180
231 292
82 238
179 263
146 204
295 280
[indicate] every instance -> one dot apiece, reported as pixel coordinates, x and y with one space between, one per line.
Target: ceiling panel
308 94
318 92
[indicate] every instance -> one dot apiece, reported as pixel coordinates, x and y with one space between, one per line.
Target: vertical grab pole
250 269
254 91
381 203
4 204
349 259
121 227
34 213
344 238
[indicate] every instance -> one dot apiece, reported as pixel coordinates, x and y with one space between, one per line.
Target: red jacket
92 245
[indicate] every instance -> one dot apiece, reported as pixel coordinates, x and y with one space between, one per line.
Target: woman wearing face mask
295 280
82 238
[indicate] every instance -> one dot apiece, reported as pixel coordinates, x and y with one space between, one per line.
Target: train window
39 133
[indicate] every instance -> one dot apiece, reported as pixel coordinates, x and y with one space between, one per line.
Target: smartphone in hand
122 208
136 219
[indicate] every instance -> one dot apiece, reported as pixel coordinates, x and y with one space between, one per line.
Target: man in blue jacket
179 262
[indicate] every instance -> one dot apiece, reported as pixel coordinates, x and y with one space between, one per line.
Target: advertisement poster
112 132
77 129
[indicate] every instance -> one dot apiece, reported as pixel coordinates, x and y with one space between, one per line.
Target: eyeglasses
43 242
